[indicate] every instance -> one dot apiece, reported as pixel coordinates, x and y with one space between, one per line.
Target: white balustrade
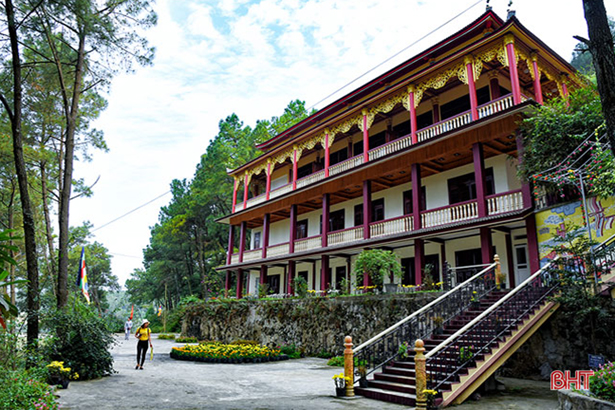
252 255
281 191
239 207
310 179
508 202
345 236
345 165
255 201
390 227
444 126
277 250
495 107
390 148
234 258
308 244
450 214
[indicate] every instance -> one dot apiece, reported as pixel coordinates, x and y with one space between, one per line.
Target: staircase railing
384 347
476 338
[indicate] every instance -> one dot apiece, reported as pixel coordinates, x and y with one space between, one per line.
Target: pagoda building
421 160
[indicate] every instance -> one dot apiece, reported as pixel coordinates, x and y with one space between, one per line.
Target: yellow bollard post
349 366
420 374
498 271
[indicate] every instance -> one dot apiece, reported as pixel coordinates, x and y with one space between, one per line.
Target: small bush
80 339
323 354
25 390
290 350
602 383
166 336
300 286
186 339
225 352
245 342
336 361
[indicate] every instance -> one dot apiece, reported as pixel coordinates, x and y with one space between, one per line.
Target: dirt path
293 384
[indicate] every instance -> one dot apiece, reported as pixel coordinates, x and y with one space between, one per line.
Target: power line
125 256
129 212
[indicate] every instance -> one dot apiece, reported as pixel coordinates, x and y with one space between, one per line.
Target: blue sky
214 58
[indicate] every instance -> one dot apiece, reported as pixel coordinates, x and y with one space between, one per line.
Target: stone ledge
570 400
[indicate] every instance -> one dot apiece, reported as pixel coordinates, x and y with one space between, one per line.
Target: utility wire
129 212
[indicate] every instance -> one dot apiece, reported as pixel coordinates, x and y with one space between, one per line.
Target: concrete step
386 395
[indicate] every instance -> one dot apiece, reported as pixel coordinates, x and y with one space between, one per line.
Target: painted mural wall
552 222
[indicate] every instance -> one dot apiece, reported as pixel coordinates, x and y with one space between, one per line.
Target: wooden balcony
404 143
498 204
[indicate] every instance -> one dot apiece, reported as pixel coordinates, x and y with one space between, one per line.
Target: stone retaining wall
569 400
313 324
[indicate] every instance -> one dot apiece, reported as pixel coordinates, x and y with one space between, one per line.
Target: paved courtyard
294 384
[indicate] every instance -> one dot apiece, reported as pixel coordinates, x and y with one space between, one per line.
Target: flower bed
226 353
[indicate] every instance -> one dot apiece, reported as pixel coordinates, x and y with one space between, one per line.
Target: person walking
128 328
145 337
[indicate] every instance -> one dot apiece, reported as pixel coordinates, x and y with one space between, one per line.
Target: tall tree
600 45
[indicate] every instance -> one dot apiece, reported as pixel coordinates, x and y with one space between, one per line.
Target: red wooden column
367 207
469 62
509 42
494 85
412 114
526 189
532 243
263 276
242 240
479 178
365 137
416 196
231 242
325 279
419 260
486 245
367 281
265 244
327 152
295 161
536 75
239 291
293 229
235 186
245 190
290 277
325 220
268 186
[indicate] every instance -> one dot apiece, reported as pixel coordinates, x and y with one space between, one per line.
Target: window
462 104
407 269
402 129
340 273
338 156
463 188
378 210
257 240
304 171
336 220
358 215
302 229
357 148
424 120
408 204
377 140
273 283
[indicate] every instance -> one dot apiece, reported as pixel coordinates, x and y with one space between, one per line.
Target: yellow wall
550 222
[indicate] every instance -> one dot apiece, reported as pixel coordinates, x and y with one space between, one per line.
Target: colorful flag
132 311
82 279
159 310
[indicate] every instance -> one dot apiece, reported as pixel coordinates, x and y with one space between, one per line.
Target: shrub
25 390
167 336
300 286
377 263
336 361
245 342
602 383
323 354
224 351
186 339
80 339
290 350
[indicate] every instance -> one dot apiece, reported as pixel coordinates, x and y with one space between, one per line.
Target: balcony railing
495 106
346 165
280 190
310 179
252 255
507 202
391 226
255 200
444 126
234 258
308 244
450 214
277 250
390 147
345 236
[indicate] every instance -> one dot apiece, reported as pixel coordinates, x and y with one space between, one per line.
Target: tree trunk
32 297
601 47
49 234
65 193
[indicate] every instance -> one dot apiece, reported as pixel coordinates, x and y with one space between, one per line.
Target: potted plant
403 350
377 263
474 300
430 396
501 280
466 354
340 384
438 321
58 375
362 373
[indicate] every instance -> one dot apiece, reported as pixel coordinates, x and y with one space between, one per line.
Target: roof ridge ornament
510 13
